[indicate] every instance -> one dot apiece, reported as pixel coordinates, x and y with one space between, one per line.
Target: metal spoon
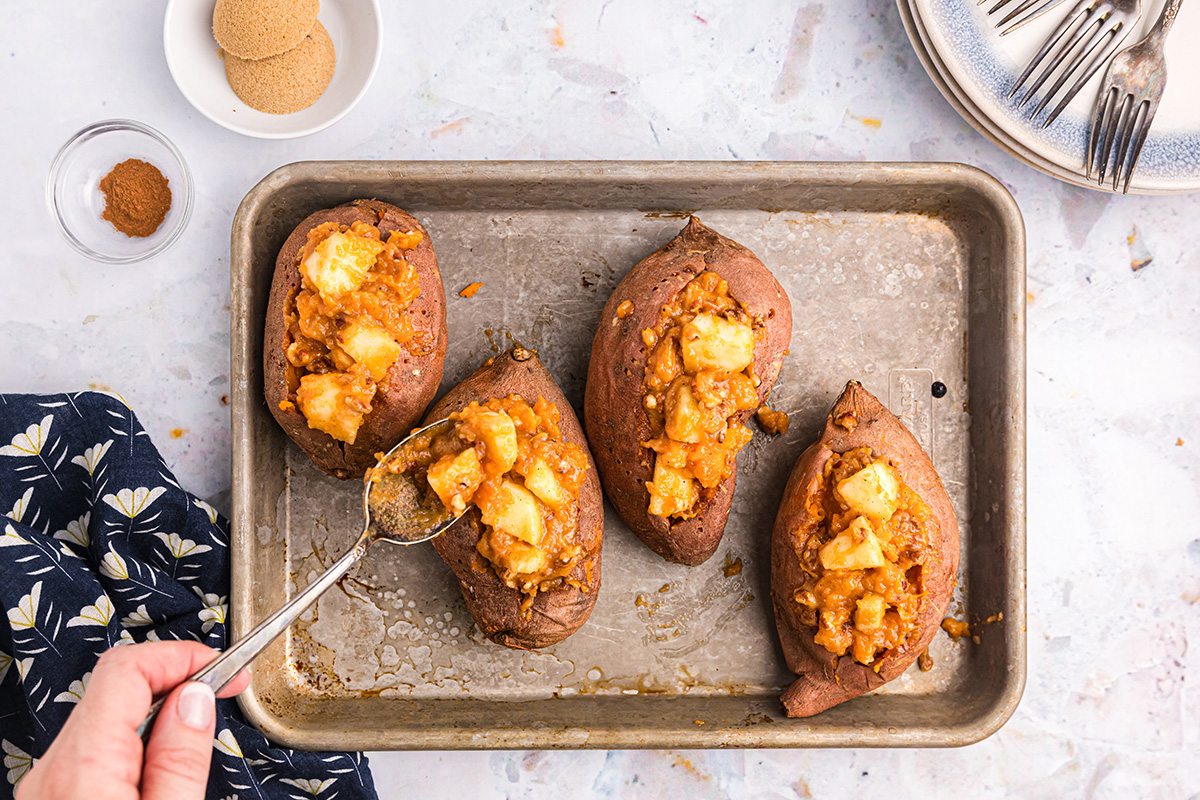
392 512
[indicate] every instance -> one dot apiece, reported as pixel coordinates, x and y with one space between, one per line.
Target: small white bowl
193 56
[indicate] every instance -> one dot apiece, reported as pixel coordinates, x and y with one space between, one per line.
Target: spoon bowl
392 502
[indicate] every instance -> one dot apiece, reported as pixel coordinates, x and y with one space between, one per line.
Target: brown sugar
137 197
256 29
288 82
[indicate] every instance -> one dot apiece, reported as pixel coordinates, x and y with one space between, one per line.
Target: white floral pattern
214 611
208 510
113 566
99 613
227 743
24 616
17 761
74 692
18 509
132 576
313 786
138 618
31 442
11 538
92 457
132 502
76 531
101 548
35 442
180 547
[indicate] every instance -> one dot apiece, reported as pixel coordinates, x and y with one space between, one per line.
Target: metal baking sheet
899 275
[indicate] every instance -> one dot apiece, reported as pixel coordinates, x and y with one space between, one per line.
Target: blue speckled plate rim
957 32
985 127
969 111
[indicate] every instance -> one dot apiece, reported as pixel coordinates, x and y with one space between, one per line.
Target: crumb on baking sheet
771 421
471 289
956 628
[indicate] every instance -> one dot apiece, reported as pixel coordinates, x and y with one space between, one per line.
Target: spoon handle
225 667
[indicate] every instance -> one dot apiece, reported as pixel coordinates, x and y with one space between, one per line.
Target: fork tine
1077 47
1099 124
1080 10
1137 150
1029 10
1086 47
1115 132
1133 144
1015 12
1120 31
1121 145
1095 55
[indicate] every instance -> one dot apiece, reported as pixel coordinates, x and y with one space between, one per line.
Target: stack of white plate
975 68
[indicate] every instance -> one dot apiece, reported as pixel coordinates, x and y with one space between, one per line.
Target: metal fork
1086 39
1025 11
1125 109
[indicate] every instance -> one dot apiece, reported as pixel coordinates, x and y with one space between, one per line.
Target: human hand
98 755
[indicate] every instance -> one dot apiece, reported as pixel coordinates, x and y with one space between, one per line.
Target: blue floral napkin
100 547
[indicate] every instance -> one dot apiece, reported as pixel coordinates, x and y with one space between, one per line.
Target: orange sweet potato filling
835 601
317 323
472 465
691 408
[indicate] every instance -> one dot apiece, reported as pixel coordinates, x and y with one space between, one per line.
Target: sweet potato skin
557 613
616 422
413 380
822 679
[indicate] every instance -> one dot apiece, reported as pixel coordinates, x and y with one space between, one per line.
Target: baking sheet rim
833 175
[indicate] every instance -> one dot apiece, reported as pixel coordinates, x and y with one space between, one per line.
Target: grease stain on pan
690 615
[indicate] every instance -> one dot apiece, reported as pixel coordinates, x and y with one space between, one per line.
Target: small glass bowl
76 203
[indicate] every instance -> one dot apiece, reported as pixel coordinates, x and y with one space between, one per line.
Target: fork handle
1165 20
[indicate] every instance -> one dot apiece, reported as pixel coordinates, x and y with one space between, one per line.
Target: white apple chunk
371 346
868 615
542 481
514 510
854 548
874 491
455 479
322 401
712 342
499 436
340 263
671 491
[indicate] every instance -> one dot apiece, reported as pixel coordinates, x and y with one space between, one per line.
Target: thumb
180 748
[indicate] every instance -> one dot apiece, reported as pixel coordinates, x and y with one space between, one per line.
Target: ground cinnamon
136 197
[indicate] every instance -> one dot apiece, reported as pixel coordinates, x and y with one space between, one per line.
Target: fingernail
197 705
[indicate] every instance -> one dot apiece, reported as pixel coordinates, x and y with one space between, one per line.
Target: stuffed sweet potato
527 551
864 556
689 344
355 334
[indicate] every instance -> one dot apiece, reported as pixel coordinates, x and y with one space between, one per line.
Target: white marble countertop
1113 352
